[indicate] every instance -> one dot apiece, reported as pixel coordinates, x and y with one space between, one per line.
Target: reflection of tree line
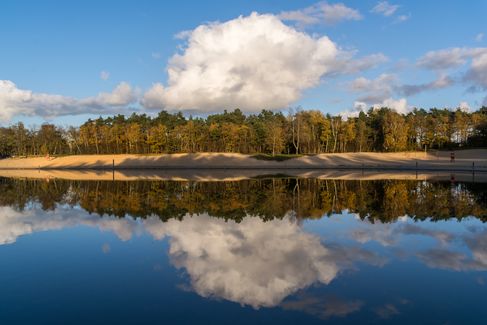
268 198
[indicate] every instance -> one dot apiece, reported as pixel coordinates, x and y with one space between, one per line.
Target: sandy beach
464 160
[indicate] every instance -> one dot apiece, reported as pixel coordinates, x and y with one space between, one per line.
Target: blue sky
57 57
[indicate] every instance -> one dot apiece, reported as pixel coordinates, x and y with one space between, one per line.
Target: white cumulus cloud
376 93
15 101
123 94
477 73
464 106
380 92
471 62
399 105
374 90
252 63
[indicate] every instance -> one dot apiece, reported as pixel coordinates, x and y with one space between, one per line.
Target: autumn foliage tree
298 132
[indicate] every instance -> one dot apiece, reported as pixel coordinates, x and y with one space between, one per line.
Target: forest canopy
298 132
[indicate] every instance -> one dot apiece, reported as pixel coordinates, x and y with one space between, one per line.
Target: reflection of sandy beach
218 175
464 160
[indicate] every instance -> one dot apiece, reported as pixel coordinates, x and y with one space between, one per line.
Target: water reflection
252 262
267 198
263 243
323 307
450 259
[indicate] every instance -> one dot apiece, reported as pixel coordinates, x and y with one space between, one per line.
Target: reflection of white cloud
253 262
380 232
481 281
105 248
442 256
260 263
323 307
10 228
444 259
14 224
449 259
386 311
411 229
478 246
388 234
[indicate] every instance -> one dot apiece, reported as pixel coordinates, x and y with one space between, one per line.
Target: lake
278 249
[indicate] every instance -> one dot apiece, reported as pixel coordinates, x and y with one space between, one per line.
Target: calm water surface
268 250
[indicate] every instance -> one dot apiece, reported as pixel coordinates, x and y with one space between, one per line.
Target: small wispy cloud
451 58
464 106
156 55
321 12
402 18
385 8
104 75
443 81
479 37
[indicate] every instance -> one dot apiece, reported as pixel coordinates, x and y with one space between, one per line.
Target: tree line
267 198
298 132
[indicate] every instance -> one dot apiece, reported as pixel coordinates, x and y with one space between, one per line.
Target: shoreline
236 175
